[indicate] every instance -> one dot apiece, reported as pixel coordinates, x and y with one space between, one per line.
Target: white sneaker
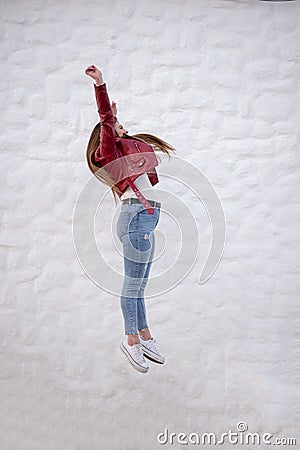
150 350
135 356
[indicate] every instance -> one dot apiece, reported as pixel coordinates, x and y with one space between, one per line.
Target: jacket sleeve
107 149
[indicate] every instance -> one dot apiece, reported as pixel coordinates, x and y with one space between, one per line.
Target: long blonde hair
103 175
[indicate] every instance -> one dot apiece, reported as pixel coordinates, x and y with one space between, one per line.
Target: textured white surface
220 81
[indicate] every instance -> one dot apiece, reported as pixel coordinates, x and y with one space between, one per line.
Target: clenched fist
95 73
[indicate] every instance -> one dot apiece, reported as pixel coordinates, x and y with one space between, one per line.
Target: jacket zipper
138 148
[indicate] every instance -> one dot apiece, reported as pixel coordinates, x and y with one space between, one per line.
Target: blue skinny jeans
135 229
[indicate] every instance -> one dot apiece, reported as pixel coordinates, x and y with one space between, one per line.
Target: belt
136 200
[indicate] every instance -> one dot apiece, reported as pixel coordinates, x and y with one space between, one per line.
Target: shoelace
137 353
153 344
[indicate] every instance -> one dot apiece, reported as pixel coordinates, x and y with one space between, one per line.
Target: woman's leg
136 251
129 296
135 230
143 326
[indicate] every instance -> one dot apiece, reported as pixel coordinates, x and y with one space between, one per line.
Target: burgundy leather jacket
140 156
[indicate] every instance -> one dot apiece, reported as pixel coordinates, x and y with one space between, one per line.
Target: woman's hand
114 108
94 73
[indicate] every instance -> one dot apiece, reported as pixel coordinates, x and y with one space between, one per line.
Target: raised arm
107 150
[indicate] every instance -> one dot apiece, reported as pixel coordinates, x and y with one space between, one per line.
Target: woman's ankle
133 339
145 334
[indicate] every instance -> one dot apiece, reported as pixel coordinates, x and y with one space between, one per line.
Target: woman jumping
128 167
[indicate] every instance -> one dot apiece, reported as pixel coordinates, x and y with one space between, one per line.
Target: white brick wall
220 81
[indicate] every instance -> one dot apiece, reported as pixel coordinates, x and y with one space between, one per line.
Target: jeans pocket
149 221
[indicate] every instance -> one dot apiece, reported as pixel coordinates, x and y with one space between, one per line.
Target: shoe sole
151 357
131 360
